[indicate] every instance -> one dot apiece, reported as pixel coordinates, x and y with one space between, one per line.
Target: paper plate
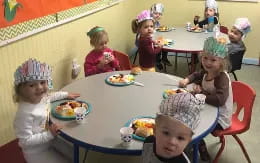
57 103
110 82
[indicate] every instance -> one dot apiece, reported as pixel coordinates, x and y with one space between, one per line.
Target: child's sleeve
54 96
221 84
196 77
149 47
23 126
90 65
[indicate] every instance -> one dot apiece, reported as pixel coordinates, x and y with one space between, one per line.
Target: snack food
163 28
174 91
143 127
196 29
136 70
67 108
121 78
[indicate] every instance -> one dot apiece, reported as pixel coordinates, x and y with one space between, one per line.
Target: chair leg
136 53
242 147
175 62
234 75
223 142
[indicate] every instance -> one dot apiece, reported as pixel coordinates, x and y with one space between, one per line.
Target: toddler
148 49
156 12
236 47
214 82
37 137
175 123
211 10
101 58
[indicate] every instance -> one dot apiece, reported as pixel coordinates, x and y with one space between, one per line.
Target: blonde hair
136 26
225 64
96 35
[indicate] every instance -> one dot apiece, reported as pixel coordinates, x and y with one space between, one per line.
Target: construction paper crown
212 4
144 15
182 107
216 47
32 70
157 7
243 25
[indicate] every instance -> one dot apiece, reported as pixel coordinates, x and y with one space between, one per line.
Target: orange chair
244 97
123 59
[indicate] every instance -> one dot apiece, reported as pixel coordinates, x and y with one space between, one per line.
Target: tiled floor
232 152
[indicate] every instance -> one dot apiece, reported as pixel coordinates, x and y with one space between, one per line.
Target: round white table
113 106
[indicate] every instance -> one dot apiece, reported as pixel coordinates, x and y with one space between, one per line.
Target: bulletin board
22 18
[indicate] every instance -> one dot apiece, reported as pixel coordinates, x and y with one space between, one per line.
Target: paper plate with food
196 29
143 127
169 92
166 42
120 79
64 109
163 29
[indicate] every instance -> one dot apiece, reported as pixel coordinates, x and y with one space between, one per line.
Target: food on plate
174 91
136 70
67 108
143 127
196 29
222 40
163 28
121 78
164 41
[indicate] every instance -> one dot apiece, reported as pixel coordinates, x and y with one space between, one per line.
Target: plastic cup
200 98
126 135
80 114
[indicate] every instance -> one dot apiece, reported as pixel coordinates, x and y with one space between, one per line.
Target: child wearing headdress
211 11
147 47
214 82
178 117
157 10
236 47
37 136
101 58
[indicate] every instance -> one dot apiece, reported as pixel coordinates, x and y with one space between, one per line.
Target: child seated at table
214 82
148 48
157 12
211 10
37 136
236 47
175 123
101 58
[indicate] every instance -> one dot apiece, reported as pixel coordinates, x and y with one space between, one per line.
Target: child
36 135
156 13
211 10
236 47
214 82
148 49
101 58
174 126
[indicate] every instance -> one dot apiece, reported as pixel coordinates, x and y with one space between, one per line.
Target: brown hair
136 26
96 35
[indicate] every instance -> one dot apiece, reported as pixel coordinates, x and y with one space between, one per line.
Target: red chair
223 29
123 59
244 97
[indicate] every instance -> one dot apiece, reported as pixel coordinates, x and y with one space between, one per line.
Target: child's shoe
159 66
167 62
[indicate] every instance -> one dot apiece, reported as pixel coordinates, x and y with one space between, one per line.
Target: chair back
236 60
244 97
123 59
223 29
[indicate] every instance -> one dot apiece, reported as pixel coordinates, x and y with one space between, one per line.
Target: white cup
80 114
188 26
126 135
200 98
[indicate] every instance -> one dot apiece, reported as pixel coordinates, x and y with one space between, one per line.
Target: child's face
171 137
210 12
156 16
147 28
102 44
33 91
212 63
234 35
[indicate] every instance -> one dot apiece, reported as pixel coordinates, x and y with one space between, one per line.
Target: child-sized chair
236 61
123 59
244 97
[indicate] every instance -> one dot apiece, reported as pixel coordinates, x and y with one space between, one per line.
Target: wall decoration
22 18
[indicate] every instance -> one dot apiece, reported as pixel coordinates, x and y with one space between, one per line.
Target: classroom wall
58 46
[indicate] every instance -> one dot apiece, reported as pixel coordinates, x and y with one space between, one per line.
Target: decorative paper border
28 28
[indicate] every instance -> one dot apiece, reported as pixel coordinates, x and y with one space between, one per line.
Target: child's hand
184 82
196 18
197 88
102 63
73 95
54 128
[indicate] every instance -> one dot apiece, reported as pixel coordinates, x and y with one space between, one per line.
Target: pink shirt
92 60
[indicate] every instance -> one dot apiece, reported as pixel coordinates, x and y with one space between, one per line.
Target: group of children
178 115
